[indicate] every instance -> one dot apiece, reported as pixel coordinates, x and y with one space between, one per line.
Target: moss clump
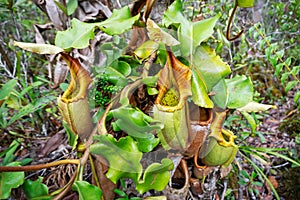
289 183
290 126
170 98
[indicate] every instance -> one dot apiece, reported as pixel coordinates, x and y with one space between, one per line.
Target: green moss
170 98
290 126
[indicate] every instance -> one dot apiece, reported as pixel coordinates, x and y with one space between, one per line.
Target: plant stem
274 52
38 167
261 173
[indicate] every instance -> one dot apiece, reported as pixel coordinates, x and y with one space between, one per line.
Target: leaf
87 191
190 34
210 66
119 22
9 152
115 77
39 48
138 125
123 156
193 35
10 180
245 3
250 120
72 137
78 36
36 189
240 90
173 15
71 6
290 85
255 107
156 176
297 98
7 88
220 94
80 33
150 81
158 35
146 49
199 92
30 108
113 50
122 67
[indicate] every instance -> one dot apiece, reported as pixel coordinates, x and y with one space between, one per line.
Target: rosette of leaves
174 86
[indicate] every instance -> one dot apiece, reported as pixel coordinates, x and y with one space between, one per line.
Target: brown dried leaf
53 143
107 187
91 10
55 14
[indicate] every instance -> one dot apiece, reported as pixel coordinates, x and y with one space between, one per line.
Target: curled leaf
256 107
39 48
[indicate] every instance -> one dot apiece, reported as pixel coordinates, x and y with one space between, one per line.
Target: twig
38 167
274 52
224 190
6 59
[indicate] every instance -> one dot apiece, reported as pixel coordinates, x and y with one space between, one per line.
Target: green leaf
29 108
150 81
36 189
255 107
10 180
122 67
9 153
201 31
7 88
80 33
78 36
220 94
123 156
190 34
173 15
156 176
152 91
72 137
240 90
146 49
245 3
138 125
297 98
250 120
199 91
113 50
119 22
39 48
115 77
158 35
284 77
278 69
61 7
87 191
290 85
210 65
71 6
